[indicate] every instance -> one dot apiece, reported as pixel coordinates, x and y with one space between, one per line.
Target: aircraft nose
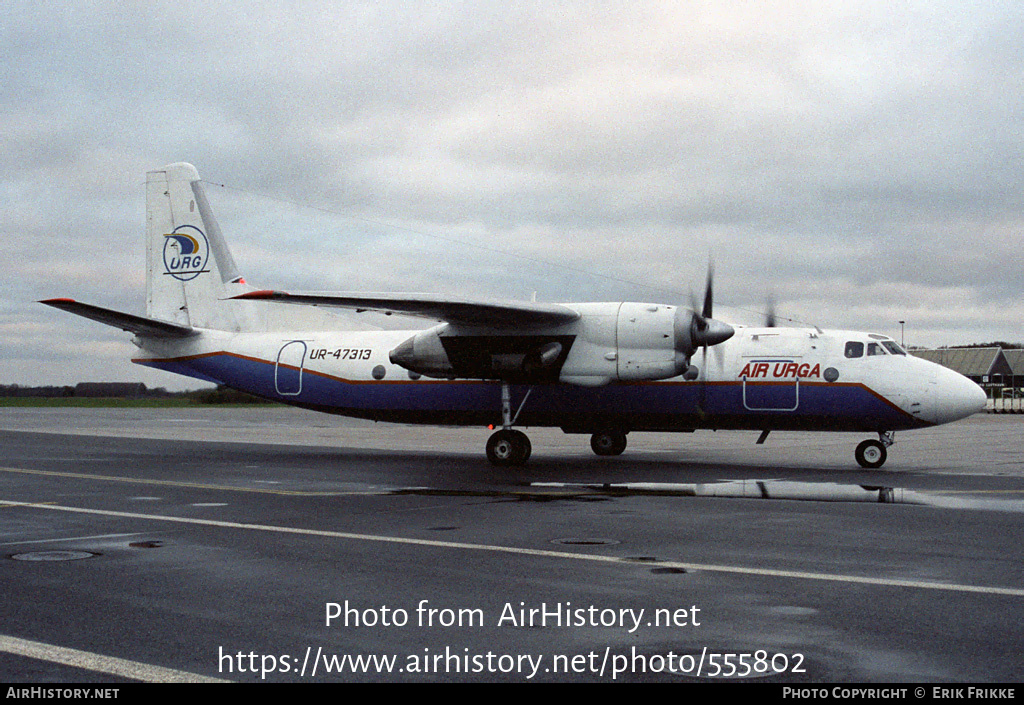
957 397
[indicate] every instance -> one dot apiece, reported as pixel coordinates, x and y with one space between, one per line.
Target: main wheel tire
871 454
525 447
608 442
508 447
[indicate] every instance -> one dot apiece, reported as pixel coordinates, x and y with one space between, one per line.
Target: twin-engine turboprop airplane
604 369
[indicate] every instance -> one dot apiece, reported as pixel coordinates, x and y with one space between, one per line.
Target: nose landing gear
872 454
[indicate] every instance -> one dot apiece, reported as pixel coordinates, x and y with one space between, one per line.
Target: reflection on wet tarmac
794 490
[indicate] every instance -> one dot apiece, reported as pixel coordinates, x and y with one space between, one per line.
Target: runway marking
109 665
190 485
709 567
73 538
25 504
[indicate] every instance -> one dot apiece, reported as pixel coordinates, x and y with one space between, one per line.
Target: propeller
769 316
698 329
708 286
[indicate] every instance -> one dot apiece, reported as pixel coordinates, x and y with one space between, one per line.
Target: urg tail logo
186 253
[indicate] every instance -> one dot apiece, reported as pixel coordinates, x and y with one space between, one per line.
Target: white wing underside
466 312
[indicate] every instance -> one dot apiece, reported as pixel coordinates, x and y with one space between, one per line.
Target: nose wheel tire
871 454
608 442
508 447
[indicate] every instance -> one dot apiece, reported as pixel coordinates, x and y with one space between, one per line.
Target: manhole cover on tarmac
53 556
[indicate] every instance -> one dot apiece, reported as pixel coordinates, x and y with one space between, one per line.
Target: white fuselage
616 372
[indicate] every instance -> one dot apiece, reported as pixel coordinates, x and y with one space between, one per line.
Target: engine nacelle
637 342
423 353
609 341
646 343
449 352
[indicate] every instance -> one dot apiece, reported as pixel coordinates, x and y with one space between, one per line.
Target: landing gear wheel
608 442
871 454
508 447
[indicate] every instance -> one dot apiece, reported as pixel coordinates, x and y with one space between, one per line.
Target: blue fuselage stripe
635 406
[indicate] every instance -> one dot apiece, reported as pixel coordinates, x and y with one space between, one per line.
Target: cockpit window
854 349
875 349
893 347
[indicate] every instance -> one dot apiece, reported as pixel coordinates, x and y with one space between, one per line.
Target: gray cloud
859 161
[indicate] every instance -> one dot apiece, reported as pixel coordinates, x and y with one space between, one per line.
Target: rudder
189 268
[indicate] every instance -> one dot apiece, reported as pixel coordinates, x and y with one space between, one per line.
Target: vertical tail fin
189 268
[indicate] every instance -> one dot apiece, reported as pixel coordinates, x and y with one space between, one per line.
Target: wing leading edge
467 312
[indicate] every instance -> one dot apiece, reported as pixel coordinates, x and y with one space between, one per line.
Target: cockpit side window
854 349
893 347
875 349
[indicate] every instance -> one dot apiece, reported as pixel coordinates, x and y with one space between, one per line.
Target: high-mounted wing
467 312
142 325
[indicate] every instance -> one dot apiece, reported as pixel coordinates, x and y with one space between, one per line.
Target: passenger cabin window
893 347
854 349
875 349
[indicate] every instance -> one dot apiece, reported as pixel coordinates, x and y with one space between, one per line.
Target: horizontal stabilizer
468 312
141 325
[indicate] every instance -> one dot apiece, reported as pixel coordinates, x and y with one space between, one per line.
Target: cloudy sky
859 162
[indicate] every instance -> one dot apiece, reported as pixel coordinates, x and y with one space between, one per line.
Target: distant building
1015 358
15 390
130 390
989 367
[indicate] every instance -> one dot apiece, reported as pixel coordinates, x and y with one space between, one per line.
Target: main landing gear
509 446
608 442
872 454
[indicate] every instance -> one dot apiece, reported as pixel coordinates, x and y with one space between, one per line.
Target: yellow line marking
715 568
171 483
